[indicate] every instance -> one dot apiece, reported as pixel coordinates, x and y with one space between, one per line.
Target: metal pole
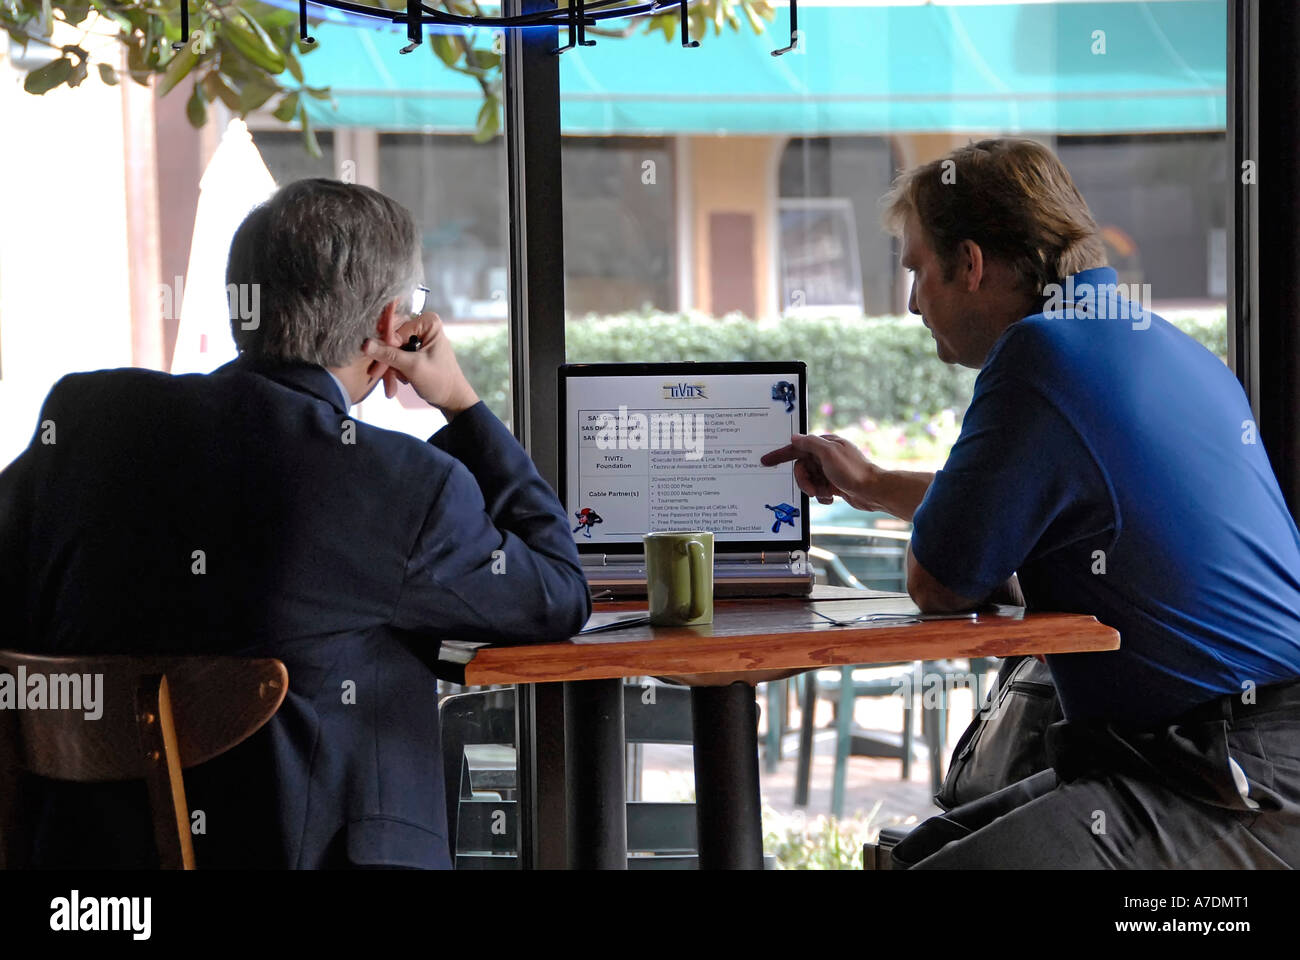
806 745
532 123
1272 45
1243 200
728 808
597 812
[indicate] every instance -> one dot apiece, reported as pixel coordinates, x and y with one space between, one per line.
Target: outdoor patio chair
871 559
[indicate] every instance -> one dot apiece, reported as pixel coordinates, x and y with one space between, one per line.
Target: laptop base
628 581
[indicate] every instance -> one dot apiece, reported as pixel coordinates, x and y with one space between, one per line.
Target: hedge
881 368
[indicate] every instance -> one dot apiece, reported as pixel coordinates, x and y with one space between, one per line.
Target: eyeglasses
419 301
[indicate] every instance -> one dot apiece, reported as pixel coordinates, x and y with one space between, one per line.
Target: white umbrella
235 181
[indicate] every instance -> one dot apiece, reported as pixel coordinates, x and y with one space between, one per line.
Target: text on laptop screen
681 452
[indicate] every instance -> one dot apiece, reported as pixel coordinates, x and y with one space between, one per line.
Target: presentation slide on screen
652 453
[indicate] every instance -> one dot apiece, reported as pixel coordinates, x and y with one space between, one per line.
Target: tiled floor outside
667 773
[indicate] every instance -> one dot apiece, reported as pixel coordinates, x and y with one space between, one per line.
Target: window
778 165
619 225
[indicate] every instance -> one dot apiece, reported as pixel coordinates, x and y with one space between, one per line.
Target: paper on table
458 651
603 622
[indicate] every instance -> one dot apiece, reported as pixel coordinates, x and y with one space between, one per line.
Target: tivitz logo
1112 301
243 300
55 691
684 391
74 913
660 431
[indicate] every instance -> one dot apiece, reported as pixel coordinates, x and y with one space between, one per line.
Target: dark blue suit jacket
349 561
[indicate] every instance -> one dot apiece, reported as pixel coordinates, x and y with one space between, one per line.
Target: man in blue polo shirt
1110 464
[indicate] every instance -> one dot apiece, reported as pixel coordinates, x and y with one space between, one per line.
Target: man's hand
432 370
827 467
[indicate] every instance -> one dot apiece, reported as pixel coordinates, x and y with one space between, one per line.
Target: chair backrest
106 718
876 558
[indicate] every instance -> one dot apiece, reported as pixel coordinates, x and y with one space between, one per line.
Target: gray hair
324 257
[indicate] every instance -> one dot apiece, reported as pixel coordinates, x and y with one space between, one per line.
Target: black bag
1005 741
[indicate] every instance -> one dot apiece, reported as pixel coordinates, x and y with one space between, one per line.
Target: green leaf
196 111
137 61
153 42
177 68
107 74
489 120
295 68
75 10
273 18
287 108
79 72
483 59
248 37
216 88
16 36
308 134
256 92
274 50
319 93
44 79
699 27
447 51
233 64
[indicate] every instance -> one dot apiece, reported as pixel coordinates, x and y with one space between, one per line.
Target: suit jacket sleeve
15 515
17 503
494 560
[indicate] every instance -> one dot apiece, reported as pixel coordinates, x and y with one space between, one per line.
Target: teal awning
865 70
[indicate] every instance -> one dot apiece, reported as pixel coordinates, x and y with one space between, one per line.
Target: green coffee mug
679 578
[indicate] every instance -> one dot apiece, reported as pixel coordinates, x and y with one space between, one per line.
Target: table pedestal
728 808
594 778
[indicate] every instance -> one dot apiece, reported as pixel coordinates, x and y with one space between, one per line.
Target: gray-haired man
244 512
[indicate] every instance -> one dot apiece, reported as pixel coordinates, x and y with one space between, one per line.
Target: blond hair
1011 196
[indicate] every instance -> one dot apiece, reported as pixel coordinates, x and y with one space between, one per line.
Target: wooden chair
159 716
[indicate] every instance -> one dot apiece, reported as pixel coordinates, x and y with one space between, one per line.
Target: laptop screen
674 446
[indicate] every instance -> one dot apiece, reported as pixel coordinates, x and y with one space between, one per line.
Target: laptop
674 446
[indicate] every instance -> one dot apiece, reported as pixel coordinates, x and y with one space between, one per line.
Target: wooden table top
763 639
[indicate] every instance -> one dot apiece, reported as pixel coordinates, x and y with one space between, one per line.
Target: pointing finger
780 455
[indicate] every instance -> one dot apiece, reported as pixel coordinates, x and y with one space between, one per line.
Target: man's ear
970 261
390 318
